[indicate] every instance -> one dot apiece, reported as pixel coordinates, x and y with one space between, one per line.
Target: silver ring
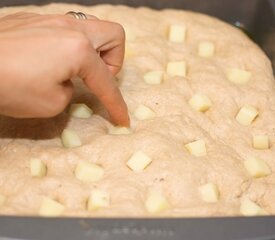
77 15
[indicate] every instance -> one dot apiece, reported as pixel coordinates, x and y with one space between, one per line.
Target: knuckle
52 111
59 103
17 15
119 30
80 42
61 21
75 48
64 99
80 46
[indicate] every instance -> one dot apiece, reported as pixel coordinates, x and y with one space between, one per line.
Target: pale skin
40 54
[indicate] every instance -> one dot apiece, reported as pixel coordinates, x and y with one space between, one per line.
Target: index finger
101 82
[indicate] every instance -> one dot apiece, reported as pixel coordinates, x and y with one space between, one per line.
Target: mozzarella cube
177 33
256 167
209 193
70 139
38 168
200 102
116 130
50 208
98 199
138 161
260 142
249 208
88 172
238 76
246 115
143 113
2 200
206 49
197 148
153 77
176 68
80 110
156 203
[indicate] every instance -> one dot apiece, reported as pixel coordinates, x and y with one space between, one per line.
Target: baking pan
257 19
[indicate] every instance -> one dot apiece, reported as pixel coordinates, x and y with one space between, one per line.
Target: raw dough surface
174 172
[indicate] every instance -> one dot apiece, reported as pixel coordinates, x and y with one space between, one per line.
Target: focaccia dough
173 172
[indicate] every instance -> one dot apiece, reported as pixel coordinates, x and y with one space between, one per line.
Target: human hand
40 54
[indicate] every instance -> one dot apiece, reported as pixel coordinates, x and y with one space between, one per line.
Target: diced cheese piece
156 203
98 199
38 168
88 172
50 208
139 161
257 167
70 139
130 36
206 49
177 33
116 130
2 199
80 110
197 148
238 76
153 77
142 113
249 208
209 193
261 142
176 68
200 102
246 115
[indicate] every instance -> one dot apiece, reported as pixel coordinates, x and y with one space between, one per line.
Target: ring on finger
77 15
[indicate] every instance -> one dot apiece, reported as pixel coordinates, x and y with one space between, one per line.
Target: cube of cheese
80 110
38 168
98 199
246 115
238 76
260 142
177 33
2 199
50 208
209 193
176 68
116 130
206 49
257 167
153 77
156 203
143 113
197 148
70 139
88 172
138 161
200 102
249 208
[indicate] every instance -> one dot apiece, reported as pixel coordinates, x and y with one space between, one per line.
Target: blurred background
255 17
